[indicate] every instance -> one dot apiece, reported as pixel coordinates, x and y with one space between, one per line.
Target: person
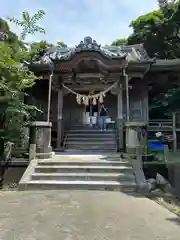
103 116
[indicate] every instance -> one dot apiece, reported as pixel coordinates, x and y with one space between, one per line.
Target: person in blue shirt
102 118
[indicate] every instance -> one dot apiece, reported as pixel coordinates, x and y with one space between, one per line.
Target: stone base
44 150
136 137
42 139
44 155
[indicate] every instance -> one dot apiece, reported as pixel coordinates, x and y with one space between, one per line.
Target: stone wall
174 176
12 176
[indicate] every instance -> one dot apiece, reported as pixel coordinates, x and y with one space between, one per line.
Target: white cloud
70 21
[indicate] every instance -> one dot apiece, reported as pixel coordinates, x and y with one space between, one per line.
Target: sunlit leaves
15 76
158 31
28 24
62 44
120 42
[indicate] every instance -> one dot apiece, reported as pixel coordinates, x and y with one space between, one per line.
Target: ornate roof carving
131 52
87 45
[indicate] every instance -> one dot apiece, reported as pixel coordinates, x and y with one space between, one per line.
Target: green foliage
37 49
62 44
15 77
18 116
28 23
158 31
166 102
120 42
5 32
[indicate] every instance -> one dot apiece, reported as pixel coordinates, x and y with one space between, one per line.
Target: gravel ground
166 199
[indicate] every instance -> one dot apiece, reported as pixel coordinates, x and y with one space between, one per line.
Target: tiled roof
131 52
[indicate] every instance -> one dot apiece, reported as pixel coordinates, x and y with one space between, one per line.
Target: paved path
86 215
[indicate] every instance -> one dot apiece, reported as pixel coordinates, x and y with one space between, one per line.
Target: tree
158 32
37 49
165 102
120 42
15 78
164 3
5 33
62 44
28 23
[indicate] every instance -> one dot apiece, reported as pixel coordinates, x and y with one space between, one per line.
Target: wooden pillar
49 96
59 118
120 134
174 132
127 96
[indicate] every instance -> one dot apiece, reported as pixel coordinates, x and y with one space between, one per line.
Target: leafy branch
16 78
28 23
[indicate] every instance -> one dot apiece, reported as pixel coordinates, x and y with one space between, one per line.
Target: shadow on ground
174 220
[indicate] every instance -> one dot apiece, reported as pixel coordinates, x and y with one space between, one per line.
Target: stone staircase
84 139
88 174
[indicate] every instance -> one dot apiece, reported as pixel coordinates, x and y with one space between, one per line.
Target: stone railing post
41 138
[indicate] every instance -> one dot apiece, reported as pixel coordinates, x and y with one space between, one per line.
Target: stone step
91 135
90 143
88 150
91 131
86 127
82 169
91 146
81 163
91 139
83 176
79 185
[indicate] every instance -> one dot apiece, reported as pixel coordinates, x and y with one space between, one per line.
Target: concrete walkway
86 215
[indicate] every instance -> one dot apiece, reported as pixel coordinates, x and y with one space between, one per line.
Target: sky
72 20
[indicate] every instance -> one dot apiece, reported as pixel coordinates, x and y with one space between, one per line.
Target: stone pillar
136 137
59 118
120 133
41 136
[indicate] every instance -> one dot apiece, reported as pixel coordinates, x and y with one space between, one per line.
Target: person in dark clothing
102 118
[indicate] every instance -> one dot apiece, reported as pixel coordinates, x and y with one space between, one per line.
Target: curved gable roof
131 52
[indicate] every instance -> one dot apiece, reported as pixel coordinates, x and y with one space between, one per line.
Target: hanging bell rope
80 98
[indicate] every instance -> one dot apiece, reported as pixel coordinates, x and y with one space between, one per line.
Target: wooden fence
167 126
160 125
